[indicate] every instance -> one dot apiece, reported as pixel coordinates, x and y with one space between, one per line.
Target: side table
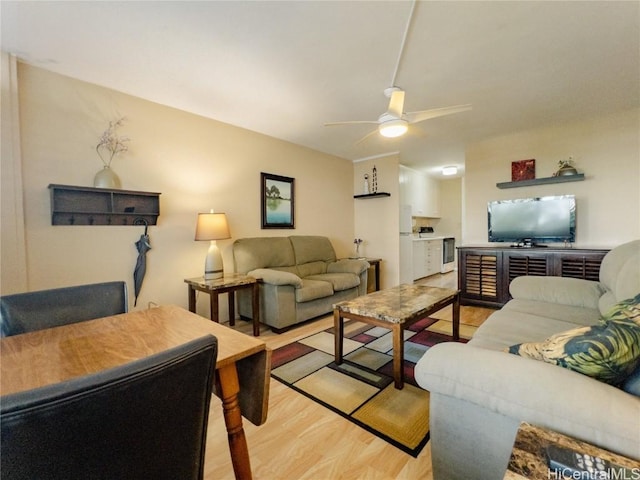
528 458
229 283
375 263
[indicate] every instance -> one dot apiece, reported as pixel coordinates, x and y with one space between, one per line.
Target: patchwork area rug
361 388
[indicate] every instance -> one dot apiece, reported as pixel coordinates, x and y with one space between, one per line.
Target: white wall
376 219
196 163
606 149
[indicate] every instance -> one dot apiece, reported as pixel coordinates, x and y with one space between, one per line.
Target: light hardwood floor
303 440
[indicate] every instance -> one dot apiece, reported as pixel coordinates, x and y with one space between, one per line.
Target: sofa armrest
562 290
532 391
276 277
348 265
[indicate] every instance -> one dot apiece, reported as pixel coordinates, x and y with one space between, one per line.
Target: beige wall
13 276
196 163
606 149
377 219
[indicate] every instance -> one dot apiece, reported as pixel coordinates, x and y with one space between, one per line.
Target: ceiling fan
395 121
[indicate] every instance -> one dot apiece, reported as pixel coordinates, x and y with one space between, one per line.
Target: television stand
484 273
527 243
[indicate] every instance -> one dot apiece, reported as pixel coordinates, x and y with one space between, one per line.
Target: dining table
54 355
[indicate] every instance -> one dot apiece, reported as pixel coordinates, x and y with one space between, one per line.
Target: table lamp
212 226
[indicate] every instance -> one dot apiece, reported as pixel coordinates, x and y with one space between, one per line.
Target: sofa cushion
262 252
313 289
626 310
504 328
340 281
620 274
310 248
276 277
312 268
557 290
581 316
348 265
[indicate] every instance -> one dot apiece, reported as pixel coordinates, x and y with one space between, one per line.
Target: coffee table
395 308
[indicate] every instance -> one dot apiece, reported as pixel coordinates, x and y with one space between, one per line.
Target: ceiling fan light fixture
393 128
452 170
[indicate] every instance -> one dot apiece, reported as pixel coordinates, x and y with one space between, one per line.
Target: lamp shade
212 226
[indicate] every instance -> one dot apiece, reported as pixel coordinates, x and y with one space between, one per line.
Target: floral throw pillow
608 352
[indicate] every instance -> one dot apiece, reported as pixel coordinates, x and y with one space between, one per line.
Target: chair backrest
27 312
145 419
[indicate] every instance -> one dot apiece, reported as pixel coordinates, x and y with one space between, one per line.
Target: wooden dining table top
57 354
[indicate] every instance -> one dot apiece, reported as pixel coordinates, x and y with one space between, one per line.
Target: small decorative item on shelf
365 190
357 242
108 147
565 167
374 180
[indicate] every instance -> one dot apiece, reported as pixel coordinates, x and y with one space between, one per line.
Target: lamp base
213 275
213 268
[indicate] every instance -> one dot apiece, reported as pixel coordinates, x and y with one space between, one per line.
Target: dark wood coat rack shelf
71 205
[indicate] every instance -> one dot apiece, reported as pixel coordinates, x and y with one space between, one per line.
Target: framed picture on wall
277 201
523 170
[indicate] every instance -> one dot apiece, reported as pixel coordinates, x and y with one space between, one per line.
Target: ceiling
284 68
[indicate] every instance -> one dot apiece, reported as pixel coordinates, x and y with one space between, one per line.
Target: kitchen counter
417 239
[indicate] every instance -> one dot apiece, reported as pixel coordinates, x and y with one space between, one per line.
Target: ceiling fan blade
366 136
415 117
417 132
396 103
353 122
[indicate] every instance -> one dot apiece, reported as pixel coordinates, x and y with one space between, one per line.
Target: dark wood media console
484 273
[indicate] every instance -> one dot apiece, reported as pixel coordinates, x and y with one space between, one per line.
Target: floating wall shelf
542 181
102 206
373 195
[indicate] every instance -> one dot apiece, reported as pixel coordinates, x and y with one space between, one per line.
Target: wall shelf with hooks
71 205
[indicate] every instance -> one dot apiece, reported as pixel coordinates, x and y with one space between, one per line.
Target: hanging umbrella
143 247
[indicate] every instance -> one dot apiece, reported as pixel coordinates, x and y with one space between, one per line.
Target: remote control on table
578 465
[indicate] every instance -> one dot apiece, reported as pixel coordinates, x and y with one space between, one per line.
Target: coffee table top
397 304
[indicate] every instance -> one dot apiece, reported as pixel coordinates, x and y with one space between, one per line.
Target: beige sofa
480 393
300 277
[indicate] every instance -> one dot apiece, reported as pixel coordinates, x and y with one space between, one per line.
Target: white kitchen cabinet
427 257
419 260
432 197
421 192
433 256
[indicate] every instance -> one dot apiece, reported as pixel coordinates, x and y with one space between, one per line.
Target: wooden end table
395 308
229 283
375 263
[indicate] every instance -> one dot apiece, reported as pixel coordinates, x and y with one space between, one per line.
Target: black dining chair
143 420
27 312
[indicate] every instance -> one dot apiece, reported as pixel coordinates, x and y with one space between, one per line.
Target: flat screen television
531 221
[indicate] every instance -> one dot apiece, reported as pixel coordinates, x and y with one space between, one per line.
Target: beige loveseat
480 394
300 277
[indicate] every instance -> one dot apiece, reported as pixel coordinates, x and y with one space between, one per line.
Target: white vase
106 178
